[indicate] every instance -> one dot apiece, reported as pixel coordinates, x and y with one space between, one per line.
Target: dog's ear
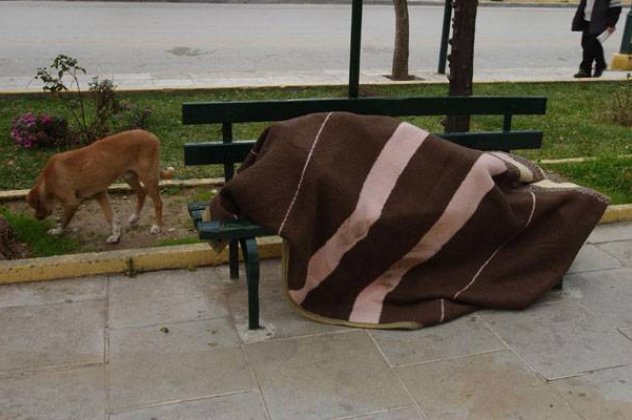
43 208
32 198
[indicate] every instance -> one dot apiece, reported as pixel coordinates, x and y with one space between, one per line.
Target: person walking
596 20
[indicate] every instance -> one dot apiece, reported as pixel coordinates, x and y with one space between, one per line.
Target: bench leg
251 261
233 259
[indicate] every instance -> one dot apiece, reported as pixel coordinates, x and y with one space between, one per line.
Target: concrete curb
163 258
128 262
367 81
617 213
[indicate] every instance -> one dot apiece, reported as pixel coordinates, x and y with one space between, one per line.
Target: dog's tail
167 173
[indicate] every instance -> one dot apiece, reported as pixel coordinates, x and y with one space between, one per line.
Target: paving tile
622 250
71 395
325 376
36 337
461 337
277 316
134 84
15 80
172 362
270 283
246 406
611 232
591 258
48 292
602 395
606 293
570 291
131 77
561 339
490 386
403 413
166 296
174 83
626 332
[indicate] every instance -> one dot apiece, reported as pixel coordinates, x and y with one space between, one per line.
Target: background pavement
152 81
198 45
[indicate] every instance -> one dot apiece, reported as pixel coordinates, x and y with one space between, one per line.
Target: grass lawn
33 232
576 125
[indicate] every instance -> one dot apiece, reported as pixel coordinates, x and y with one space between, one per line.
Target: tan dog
73 176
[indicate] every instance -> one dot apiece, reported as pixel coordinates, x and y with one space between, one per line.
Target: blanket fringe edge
405 325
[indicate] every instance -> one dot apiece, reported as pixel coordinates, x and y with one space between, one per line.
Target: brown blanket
389 226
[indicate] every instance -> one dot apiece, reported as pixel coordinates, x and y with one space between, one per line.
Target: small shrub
132 116
106 105
42 130
620 109
110 115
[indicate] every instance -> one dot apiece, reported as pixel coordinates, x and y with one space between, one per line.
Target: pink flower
42 130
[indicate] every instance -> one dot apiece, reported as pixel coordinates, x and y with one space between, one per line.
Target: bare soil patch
90 229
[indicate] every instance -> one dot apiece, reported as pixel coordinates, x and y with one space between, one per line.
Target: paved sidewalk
174 345
134 81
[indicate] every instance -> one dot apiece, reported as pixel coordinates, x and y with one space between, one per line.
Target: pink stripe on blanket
477 183
377 187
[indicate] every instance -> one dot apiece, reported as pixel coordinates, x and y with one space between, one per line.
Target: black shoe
599 70
581 74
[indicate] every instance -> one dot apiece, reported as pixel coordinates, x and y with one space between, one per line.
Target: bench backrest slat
208 153
260 111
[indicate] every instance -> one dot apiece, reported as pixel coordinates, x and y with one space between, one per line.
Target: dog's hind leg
104 200
132 180
151 184
154 193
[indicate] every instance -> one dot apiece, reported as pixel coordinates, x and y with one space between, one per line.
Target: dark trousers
592 50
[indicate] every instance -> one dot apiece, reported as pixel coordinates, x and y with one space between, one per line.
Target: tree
462 58
399 69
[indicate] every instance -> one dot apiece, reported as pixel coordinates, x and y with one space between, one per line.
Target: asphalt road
197 38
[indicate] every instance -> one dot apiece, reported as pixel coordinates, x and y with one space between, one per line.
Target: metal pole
354 62
445 35
626 40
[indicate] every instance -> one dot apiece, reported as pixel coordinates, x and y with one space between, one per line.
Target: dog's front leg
69 212
104 200
56 231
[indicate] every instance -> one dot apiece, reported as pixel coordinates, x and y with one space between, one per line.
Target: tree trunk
462 58
399 70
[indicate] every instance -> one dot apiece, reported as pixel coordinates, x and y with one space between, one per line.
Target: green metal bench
227 152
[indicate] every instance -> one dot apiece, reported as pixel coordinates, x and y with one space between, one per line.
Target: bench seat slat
260 111
234 229
237 229
196 209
